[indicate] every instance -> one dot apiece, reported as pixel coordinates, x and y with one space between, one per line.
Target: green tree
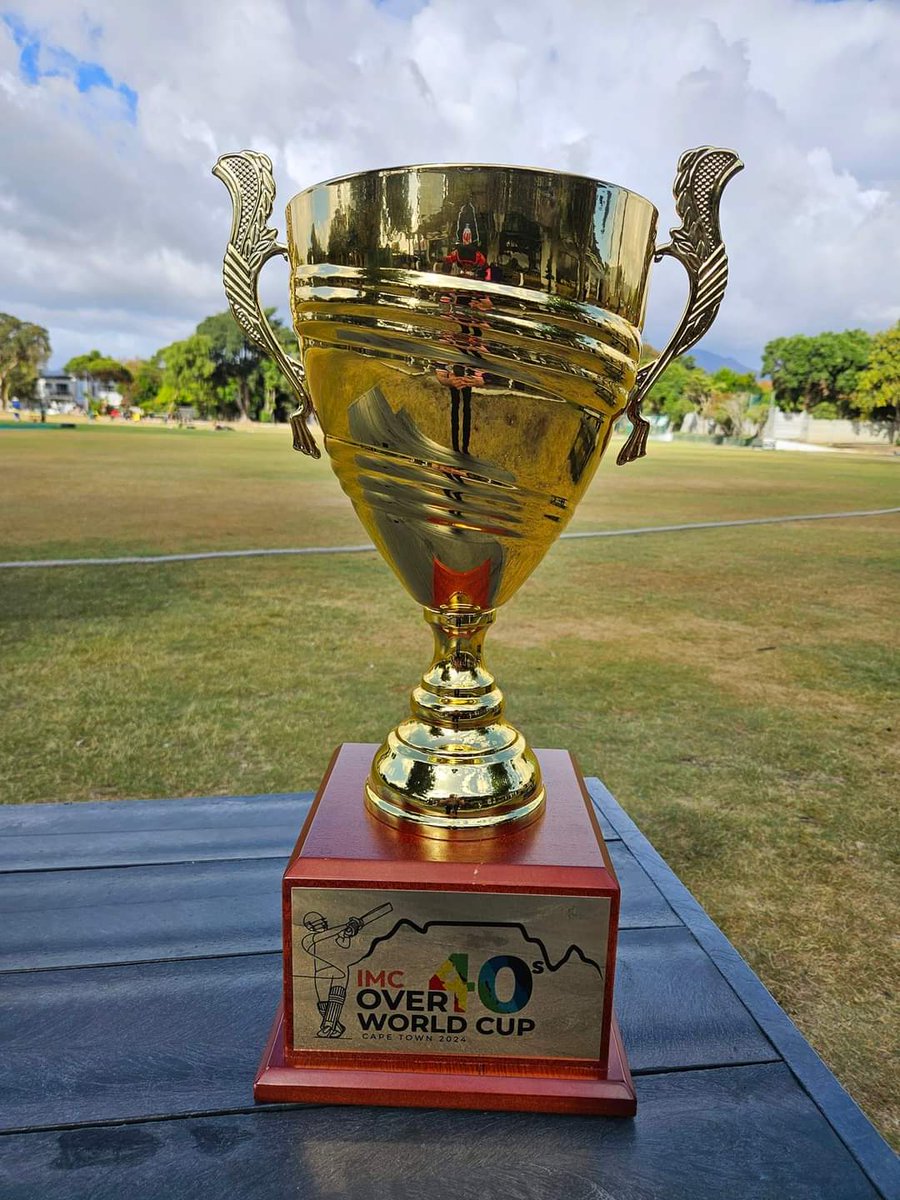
235 360
740 414
24 348
731 382
240 373
98 368
736 403
188 376
142 391
279 400
682 388
878 386
817 372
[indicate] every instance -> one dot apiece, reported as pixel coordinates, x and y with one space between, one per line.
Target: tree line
854 375
219 374
215 371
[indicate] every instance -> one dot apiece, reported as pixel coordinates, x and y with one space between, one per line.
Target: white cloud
112 233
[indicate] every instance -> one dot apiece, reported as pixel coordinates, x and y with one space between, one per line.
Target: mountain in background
711 363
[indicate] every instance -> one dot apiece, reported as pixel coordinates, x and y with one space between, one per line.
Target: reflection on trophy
469 336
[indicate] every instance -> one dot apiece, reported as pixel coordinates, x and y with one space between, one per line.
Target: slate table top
140 969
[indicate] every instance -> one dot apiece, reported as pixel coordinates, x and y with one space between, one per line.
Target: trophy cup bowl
468 337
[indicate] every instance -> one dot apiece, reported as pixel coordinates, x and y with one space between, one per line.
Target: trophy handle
251 185
698 246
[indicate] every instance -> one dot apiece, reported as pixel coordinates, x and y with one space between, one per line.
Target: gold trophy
468 337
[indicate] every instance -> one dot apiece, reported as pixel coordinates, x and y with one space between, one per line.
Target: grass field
733 687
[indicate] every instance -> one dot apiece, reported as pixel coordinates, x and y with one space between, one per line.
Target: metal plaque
428 972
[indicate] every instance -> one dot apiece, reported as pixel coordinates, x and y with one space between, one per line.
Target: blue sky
112 114
40 60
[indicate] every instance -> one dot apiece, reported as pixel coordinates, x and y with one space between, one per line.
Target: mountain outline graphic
551 966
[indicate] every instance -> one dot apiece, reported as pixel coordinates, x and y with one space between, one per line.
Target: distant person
466 255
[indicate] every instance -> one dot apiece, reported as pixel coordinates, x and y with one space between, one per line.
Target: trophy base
613 1096
449 974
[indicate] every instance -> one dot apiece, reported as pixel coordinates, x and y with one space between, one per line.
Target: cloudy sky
112 113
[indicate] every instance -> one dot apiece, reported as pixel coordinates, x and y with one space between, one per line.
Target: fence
802 427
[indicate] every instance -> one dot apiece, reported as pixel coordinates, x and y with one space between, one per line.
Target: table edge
863 1141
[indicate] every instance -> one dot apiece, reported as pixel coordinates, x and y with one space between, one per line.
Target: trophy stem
455 768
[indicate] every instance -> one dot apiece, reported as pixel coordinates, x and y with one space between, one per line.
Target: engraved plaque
449 973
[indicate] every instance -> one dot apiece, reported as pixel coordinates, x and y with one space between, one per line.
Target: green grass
733 687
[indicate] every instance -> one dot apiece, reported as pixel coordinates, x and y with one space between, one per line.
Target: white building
58 388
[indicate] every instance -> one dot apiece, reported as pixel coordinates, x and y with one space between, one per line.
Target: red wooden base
610 1097
343 852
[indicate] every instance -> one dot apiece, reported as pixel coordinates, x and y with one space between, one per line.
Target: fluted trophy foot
455 769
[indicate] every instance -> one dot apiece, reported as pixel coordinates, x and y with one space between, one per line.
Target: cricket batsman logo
334 949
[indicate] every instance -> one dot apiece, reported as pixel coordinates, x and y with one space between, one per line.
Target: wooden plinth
613 1096
571 1063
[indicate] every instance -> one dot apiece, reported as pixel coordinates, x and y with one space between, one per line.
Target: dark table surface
140 963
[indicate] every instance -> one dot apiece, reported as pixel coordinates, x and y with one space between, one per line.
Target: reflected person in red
465 254
466 259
